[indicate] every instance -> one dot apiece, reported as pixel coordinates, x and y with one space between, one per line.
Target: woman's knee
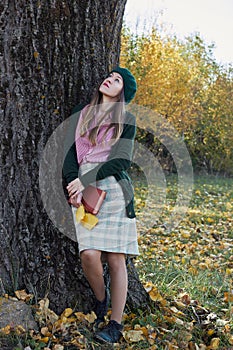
90 257
116 261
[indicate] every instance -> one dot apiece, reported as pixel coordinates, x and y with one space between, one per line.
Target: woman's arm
70 165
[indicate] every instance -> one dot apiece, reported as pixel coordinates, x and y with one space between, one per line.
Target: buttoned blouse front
94 153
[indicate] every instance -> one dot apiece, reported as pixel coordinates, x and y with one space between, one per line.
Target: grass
196 258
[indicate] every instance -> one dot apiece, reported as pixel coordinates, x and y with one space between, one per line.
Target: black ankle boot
101 308
111 333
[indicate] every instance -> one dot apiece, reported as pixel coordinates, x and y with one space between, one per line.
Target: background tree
182 81
52 55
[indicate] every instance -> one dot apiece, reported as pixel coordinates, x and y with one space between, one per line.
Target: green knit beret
130 85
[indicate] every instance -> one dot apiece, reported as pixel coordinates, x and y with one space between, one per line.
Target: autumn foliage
182 81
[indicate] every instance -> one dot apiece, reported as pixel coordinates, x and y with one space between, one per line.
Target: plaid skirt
114 232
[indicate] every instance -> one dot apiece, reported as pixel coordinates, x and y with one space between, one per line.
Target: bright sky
213 19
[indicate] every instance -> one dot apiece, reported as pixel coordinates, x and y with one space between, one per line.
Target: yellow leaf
146 332
194 262
63 319
186 234
133 336
44 304
148 286
210 331
58 347
89 221
67 312
80 213
44 340
57 324
183 260
20 330
214 344
36 54
155 295
90 317
44 331
80 316
6 330
228 297
210 220
22 295
230 339
170 319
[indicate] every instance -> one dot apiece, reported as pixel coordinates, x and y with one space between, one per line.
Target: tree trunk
52 55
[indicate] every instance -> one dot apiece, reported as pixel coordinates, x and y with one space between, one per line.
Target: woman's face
111 87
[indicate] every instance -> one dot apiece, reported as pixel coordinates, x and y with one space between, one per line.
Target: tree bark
52 55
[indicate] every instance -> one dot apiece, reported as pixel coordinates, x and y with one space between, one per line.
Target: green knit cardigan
117 164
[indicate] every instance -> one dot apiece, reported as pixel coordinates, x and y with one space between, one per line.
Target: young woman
101 155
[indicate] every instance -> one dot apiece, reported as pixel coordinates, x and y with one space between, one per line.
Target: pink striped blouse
86 151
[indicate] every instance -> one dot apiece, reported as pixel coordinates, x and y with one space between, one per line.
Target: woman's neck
107 99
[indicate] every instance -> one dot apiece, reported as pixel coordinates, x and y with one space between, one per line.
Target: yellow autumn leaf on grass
20 330
45 331
22 295
45 313
44 340
67 312
89 221
230 339
210 332
58 347
6 330
133 336
210 220
80 213
90 317
156 296
228 297
214 344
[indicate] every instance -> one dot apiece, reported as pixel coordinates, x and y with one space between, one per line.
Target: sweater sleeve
70 170
70 165
120 156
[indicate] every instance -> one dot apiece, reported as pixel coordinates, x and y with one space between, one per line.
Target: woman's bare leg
119 284
93 270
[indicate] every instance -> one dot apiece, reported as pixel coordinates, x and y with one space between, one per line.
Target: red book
92 199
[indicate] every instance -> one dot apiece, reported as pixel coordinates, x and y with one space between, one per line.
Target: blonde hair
118 113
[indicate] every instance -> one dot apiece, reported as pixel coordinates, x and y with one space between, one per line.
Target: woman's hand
76 200
74 188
